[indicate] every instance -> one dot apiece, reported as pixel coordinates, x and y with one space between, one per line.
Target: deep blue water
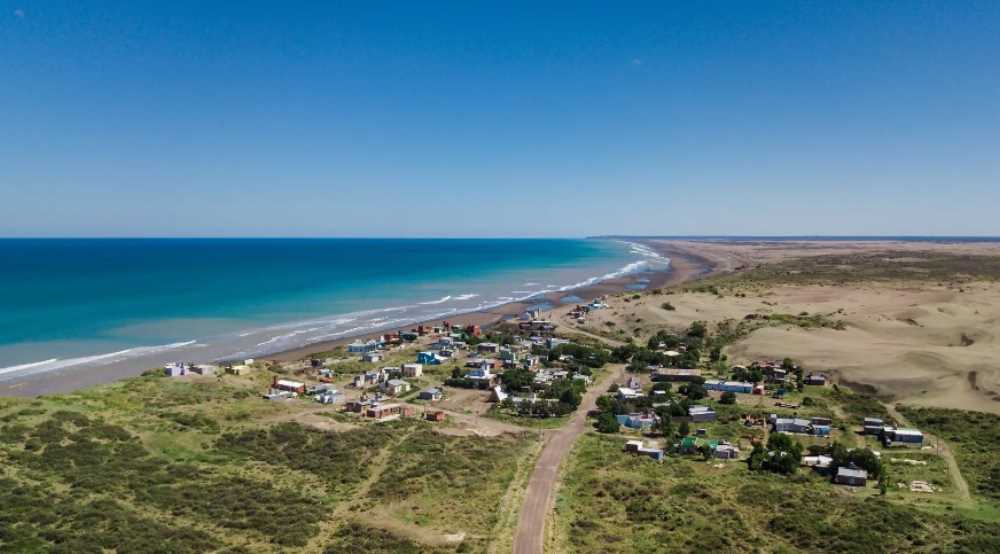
69 302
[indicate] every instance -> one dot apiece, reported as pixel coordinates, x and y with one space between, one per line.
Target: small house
701 413
482 377
873 426
175 370
432 394
203 369
437 416
554 342
277 394
297 387
728 386
395 387
369 378
239 369
642 422
677 375
817 379
413 370
851 476
792 425
387 412
444 342
819 463
637 447
329 396
626 393
907 437
359 347
693 445
726 452
428 358
371 357
488 348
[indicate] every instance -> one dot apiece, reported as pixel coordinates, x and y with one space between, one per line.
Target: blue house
821 430
728 386
429 358
636 421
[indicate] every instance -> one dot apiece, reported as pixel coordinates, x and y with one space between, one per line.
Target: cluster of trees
567 392
751 374
585 356
862 458
782 455
610 406
639 357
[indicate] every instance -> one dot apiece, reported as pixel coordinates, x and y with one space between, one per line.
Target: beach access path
540 494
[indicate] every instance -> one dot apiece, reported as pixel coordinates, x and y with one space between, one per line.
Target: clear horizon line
492 237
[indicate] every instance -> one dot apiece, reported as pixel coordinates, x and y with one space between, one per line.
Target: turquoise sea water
75 303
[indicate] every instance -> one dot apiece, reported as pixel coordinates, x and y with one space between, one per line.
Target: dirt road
539 496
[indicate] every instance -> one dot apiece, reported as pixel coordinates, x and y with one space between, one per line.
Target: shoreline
686 264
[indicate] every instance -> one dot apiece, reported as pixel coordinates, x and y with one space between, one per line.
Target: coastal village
769 413
637 418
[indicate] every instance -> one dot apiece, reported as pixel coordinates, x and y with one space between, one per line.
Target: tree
728 398
715 354
607 423
684 429
663 385
697 329
784 454
571 397
517 379
695 391
757 457
666 426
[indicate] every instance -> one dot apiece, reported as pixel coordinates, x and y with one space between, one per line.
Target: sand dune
922 342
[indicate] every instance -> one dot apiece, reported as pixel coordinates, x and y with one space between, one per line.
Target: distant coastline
685 265
105 368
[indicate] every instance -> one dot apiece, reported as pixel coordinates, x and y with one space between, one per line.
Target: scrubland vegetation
106 470
613 502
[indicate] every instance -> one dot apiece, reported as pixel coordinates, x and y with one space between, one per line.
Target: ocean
74 304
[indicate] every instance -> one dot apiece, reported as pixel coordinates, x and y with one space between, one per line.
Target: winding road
540 494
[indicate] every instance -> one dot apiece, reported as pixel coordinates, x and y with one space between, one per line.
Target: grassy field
165 465
975 439
613 502
837 269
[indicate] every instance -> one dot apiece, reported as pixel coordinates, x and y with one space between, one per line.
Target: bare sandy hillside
931 340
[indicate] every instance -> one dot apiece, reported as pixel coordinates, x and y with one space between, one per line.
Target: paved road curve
539 496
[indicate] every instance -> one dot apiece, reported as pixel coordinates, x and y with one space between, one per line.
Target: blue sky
180 118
